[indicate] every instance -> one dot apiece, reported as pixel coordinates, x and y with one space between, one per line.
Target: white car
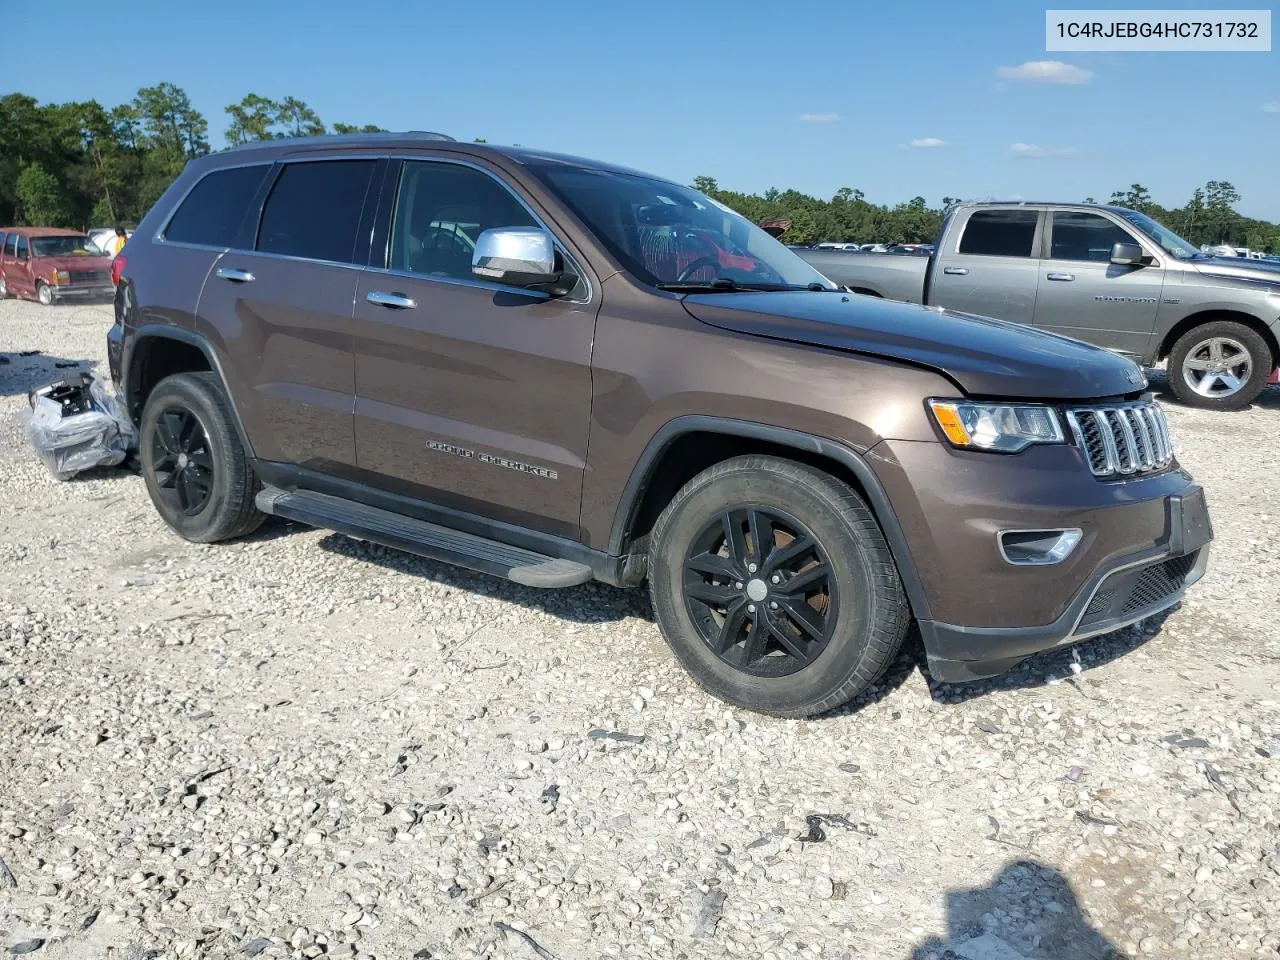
101 237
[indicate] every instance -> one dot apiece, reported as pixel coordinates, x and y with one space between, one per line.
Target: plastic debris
617 735
815 833
75 425
533 944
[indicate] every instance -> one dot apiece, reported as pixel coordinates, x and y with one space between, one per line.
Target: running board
361 522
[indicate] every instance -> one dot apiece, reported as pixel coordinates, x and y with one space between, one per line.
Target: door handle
1064 277
396 300
956 271
234 275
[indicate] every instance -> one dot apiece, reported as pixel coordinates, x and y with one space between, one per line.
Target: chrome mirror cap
520 256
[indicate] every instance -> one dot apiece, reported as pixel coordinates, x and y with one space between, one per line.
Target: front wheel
774 587
1222 365
193 464
4 288
44 293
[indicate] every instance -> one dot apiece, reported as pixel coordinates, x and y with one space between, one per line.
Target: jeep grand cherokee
553 370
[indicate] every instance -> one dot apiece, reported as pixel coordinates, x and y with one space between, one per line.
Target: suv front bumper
1145 541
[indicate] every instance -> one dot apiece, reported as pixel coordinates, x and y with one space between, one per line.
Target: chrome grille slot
1121 440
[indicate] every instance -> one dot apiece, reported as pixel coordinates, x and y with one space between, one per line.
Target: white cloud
928 142
1272 106
1047 71
819 117
1033 150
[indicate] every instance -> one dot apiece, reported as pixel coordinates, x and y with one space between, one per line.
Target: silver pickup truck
1106 275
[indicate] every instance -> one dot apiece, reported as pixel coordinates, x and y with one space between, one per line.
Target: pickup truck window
663 233
1000 233
211 213
1169 241
1085 236
314 209
11 245
441 208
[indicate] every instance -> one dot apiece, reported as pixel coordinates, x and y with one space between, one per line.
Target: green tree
251 119
169 122
705 184
42 201
353 128
1137 197
296 119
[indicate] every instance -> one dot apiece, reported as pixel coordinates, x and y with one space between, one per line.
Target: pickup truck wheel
1221 365
195 469
774 587
44 293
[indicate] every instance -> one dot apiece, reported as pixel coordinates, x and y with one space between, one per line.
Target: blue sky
815 95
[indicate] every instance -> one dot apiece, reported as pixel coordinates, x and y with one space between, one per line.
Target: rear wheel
194 466
1221 365
4 288
774 587
44 293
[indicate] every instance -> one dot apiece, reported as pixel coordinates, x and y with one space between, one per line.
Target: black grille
1158 582
89 276
1098 607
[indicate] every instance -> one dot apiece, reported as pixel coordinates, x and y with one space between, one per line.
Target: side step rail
363 522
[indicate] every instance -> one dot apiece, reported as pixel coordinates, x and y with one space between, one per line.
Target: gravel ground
298 745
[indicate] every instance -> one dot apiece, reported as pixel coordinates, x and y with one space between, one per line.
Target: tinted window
10 244
212 212
441 209
314 210
1000 233
22 247
1085 236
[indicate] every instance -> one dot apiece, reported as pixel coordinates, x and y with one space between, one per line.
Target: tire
44 293
4 288
862 615
193 464
1225 348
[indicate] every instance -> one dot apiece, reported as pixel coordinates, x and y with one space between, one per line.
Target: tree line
81 164
1209 217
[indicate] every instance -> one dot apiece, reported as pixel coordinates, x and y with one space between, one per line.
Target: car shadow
1060 665
1029 911
25 371
590 603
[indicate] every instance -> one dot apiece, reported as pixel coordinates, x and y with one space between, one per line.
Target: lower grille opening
1125 594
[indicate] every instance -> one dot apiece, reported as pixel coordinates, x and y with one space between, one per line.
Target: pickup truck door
470 395
986 264
1082 294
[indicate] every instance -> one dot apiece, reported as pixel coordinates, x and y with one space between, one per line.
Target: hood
984 357
80 262
1239 267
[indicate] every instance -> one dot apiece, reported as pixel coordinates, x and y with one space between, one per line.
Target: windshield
669 235
62 247
1169 241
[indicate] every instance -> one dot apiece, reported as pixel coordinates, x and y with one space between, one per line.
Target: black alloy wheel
760 590
183 461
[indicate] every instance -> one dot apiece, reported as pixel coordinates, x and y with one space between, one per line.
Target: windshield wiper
725 285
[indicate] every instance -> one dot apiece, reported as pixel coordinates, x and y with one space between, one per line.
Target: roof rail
329 139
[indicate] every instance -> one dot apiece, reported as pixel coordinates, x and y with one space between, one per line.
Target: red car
50 265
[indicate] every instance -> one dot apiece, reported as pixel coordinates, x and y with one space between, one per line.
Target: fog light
1031 548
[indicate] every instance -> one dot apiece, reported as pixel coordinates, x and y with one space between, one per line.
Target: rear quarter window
212 212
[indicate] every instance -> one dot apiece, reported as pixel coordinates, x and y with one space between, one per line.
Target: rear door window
1085 236
1000 233
212 212
314 209
22 252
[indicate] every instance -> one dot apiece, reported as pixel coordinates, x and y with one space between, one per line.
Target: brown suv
554 370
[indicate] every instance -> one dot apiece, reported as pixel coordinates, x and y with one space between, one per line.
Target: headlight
61 276
1001 427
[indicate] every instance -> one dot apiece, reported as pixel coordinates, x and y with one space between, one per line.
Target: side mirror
520 256
1128 255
